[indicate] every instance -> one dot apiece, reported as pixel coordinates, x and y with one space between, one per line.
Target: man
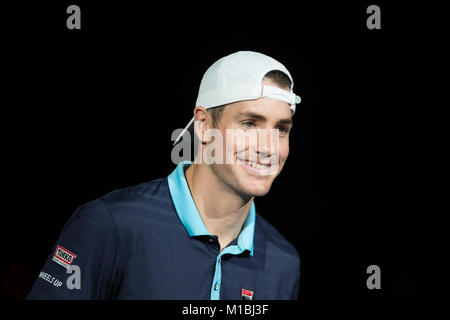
196 233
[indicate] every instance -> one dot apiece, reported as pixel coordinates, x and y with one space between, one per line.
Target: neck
223 211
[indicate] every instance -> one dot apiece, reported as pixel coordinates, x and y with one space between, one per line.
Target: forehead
271 109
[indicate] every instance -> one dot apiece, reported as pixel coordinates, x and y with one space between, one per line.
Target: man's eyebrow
260 117
253 115
286 122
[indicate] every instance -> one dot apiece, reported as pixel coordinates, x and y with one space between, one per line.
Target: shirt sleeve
83 261
295 291
296 288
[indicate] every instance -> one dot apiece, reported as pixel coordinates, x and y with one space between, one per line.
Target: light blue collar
190 217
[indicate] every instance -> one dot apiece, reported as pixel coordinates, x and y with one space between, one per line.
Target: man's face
258 146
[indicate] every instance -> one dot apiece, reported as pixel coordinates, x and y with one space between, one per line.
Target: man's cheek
281 158
228 153
234 148
282 162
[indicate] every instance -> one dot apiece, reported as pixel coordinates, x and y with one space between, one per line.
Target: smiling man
196 233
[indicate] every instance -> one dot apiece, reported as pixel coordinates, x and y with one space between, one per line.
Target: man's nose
265 143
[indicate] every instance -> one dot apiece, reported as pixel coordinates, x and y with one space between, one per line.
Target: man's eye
283 129
249 124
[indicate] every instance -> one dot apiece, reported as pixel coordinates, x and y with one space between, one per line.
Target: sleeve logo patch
63 257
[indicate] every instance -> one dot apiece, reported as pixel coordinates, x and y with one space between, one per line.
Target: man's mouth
255 164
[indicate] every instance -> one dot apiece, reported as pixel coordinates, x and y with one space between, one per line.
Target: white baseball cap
238 77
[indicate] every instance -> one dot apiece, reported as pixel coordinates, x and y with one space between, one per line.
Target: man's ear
202 122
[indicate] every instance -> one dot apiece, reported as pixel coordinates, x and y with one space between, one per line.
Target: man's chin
256 186
257 191
261 193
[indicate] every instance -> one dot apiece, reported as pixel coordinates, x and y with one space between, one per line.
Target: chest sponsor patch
63 257
246 294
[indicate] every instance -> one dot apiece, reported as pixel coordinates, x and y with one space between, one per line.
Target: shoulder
277 246
151 196
128 206
144 192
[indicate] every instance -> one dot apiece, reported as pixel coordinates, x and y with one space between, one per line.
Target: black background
364 183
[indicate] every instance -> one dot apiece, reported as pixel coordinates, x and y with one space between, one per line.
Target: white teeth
257 165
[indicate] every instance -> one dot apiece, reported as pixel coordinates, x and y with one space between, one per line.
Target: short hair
279 77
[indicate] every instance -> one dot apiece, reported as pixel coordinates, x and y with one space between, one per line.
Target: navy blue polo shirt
149 242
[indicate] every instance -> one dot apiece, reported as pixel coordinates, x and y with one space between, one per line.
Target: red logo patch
63 257
246 294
